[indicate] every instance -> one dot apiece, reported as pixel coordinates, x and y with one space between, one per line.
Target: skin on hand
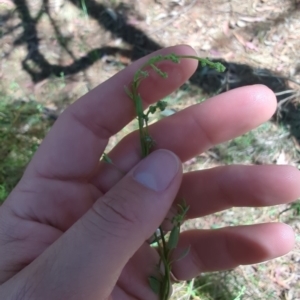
75 228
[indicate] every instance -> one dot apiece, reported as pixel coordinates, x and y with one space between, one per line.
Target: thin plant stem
162 285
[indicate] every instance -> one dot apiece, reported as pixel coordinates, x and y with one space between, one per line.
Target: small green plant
146 140
294 207
217 286
62 80
240 294
23 125
160 285
84 9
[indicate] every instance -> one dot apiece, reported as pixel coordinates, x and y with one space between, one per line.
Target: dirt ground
53 51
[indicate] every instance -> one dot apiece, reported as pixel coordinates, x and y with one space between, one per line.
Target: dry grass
53 55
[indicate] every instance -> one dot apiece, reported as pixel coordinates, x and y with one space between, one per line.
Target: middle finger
212 190
193 130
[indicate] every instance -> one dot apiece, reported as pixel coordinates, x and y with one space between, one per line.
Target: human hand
74 228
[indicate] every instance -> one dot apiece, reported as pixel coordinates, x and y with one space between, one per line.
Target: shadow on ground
115 21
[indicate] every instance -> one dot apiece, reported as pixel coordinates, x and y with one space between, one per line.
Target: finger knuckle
117 213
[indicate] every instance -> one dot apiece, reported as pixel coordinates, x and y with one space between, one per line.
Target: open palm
75 228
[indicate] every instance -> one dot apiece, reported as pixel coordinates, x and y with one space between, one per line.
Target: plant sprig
146 140
161 285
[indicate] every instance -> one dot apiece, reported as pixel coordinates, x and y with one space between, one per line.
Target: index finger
74 145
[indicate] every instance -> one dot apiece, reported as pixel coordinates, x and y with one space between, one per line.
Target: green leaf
143 74
219 67
128 92
173 57
106 158
213 65
159 71
240 294
184 253
162 105
152 109
174 237
155 284
182 209
155 59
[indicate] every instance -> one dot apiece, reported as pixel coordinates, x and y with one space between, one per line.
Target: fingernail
157 170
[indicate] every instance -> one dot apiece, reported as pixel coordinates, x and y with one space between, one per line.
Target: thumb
88 259
127 215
